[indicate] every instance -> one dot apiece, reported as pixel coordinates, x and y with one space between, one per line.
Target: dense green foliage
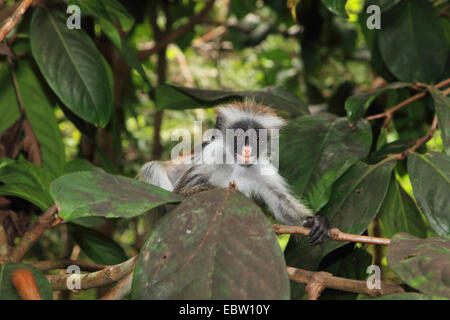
82 109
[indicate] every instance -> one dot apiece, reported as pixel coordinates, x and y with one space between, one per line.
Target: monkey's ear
220 122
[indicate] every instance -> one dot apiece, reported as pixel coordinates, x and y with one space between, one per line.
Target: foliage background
107 98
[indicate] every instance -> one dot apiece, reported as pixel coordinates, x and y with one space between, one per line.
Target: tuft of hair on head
248 109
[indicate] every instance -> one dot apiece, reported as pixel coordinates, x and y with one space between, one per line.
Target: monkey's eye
238 134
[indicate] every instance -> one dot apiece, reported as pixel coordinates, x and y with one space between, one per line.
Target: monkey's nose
247 151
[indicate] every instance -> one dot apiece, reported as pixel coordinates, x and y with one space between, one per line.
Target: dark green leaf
412 42
72 66
97 246
79 165
9 292
9 109
28 181
224 248
180 98
357 105
355 200
316 150
424 264
430 178
442 107
42 118
399 213
97 193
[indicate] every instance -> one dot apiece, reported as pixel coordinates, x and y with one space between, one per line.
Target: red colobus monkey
243 132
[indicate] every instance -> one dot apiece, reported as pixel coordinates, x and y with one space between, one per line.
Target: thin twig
45 221
334 234
64 263
181 31
388 113
96 279
329 281
14 18
420 141
121 290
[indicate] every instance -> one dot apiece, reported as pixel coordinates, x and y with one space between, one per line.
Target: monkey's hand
319 229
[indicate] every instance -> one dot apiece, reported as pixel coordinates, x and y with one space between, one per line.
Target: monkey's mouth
246 159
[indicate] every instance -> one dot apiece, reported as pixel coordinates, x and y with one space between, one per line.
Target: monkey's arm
287 209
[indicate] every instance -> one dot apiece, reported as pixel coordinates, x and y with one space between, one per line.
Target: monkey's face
246 140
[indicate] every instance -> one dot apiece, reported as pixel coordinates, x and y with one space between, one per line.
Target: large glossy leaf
357 105
430 178
110 13
336 6
72 66
424 264
316 150
180 98
28 181
42 118
399 213
96 245
9 292
9 109
442 107
355 200
216 245
412 42
97 193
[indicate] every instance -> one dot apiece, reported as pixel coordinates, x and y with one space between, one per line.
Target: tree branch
420 141
334 234
64 263
100 278
181 31
45 221
14 18
388 113
121 290
321 280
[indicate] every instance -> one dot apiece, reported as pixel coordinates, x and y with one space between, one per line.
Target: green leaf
399 213
412 42
355 200
336 6
109 13
9 108
224 248
96 245
72 66
442 107
430 179
351 266
28 181
316 150
180 98
357 105
77 165
97 193
404 296
42 118
9 292
424 264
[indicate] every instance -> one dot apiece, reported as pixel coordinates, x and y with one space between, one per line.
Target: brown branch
420 141
334 234
121 290
95 279
327 280
45 221
14 18
174 35
64 263
389 112
25 284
